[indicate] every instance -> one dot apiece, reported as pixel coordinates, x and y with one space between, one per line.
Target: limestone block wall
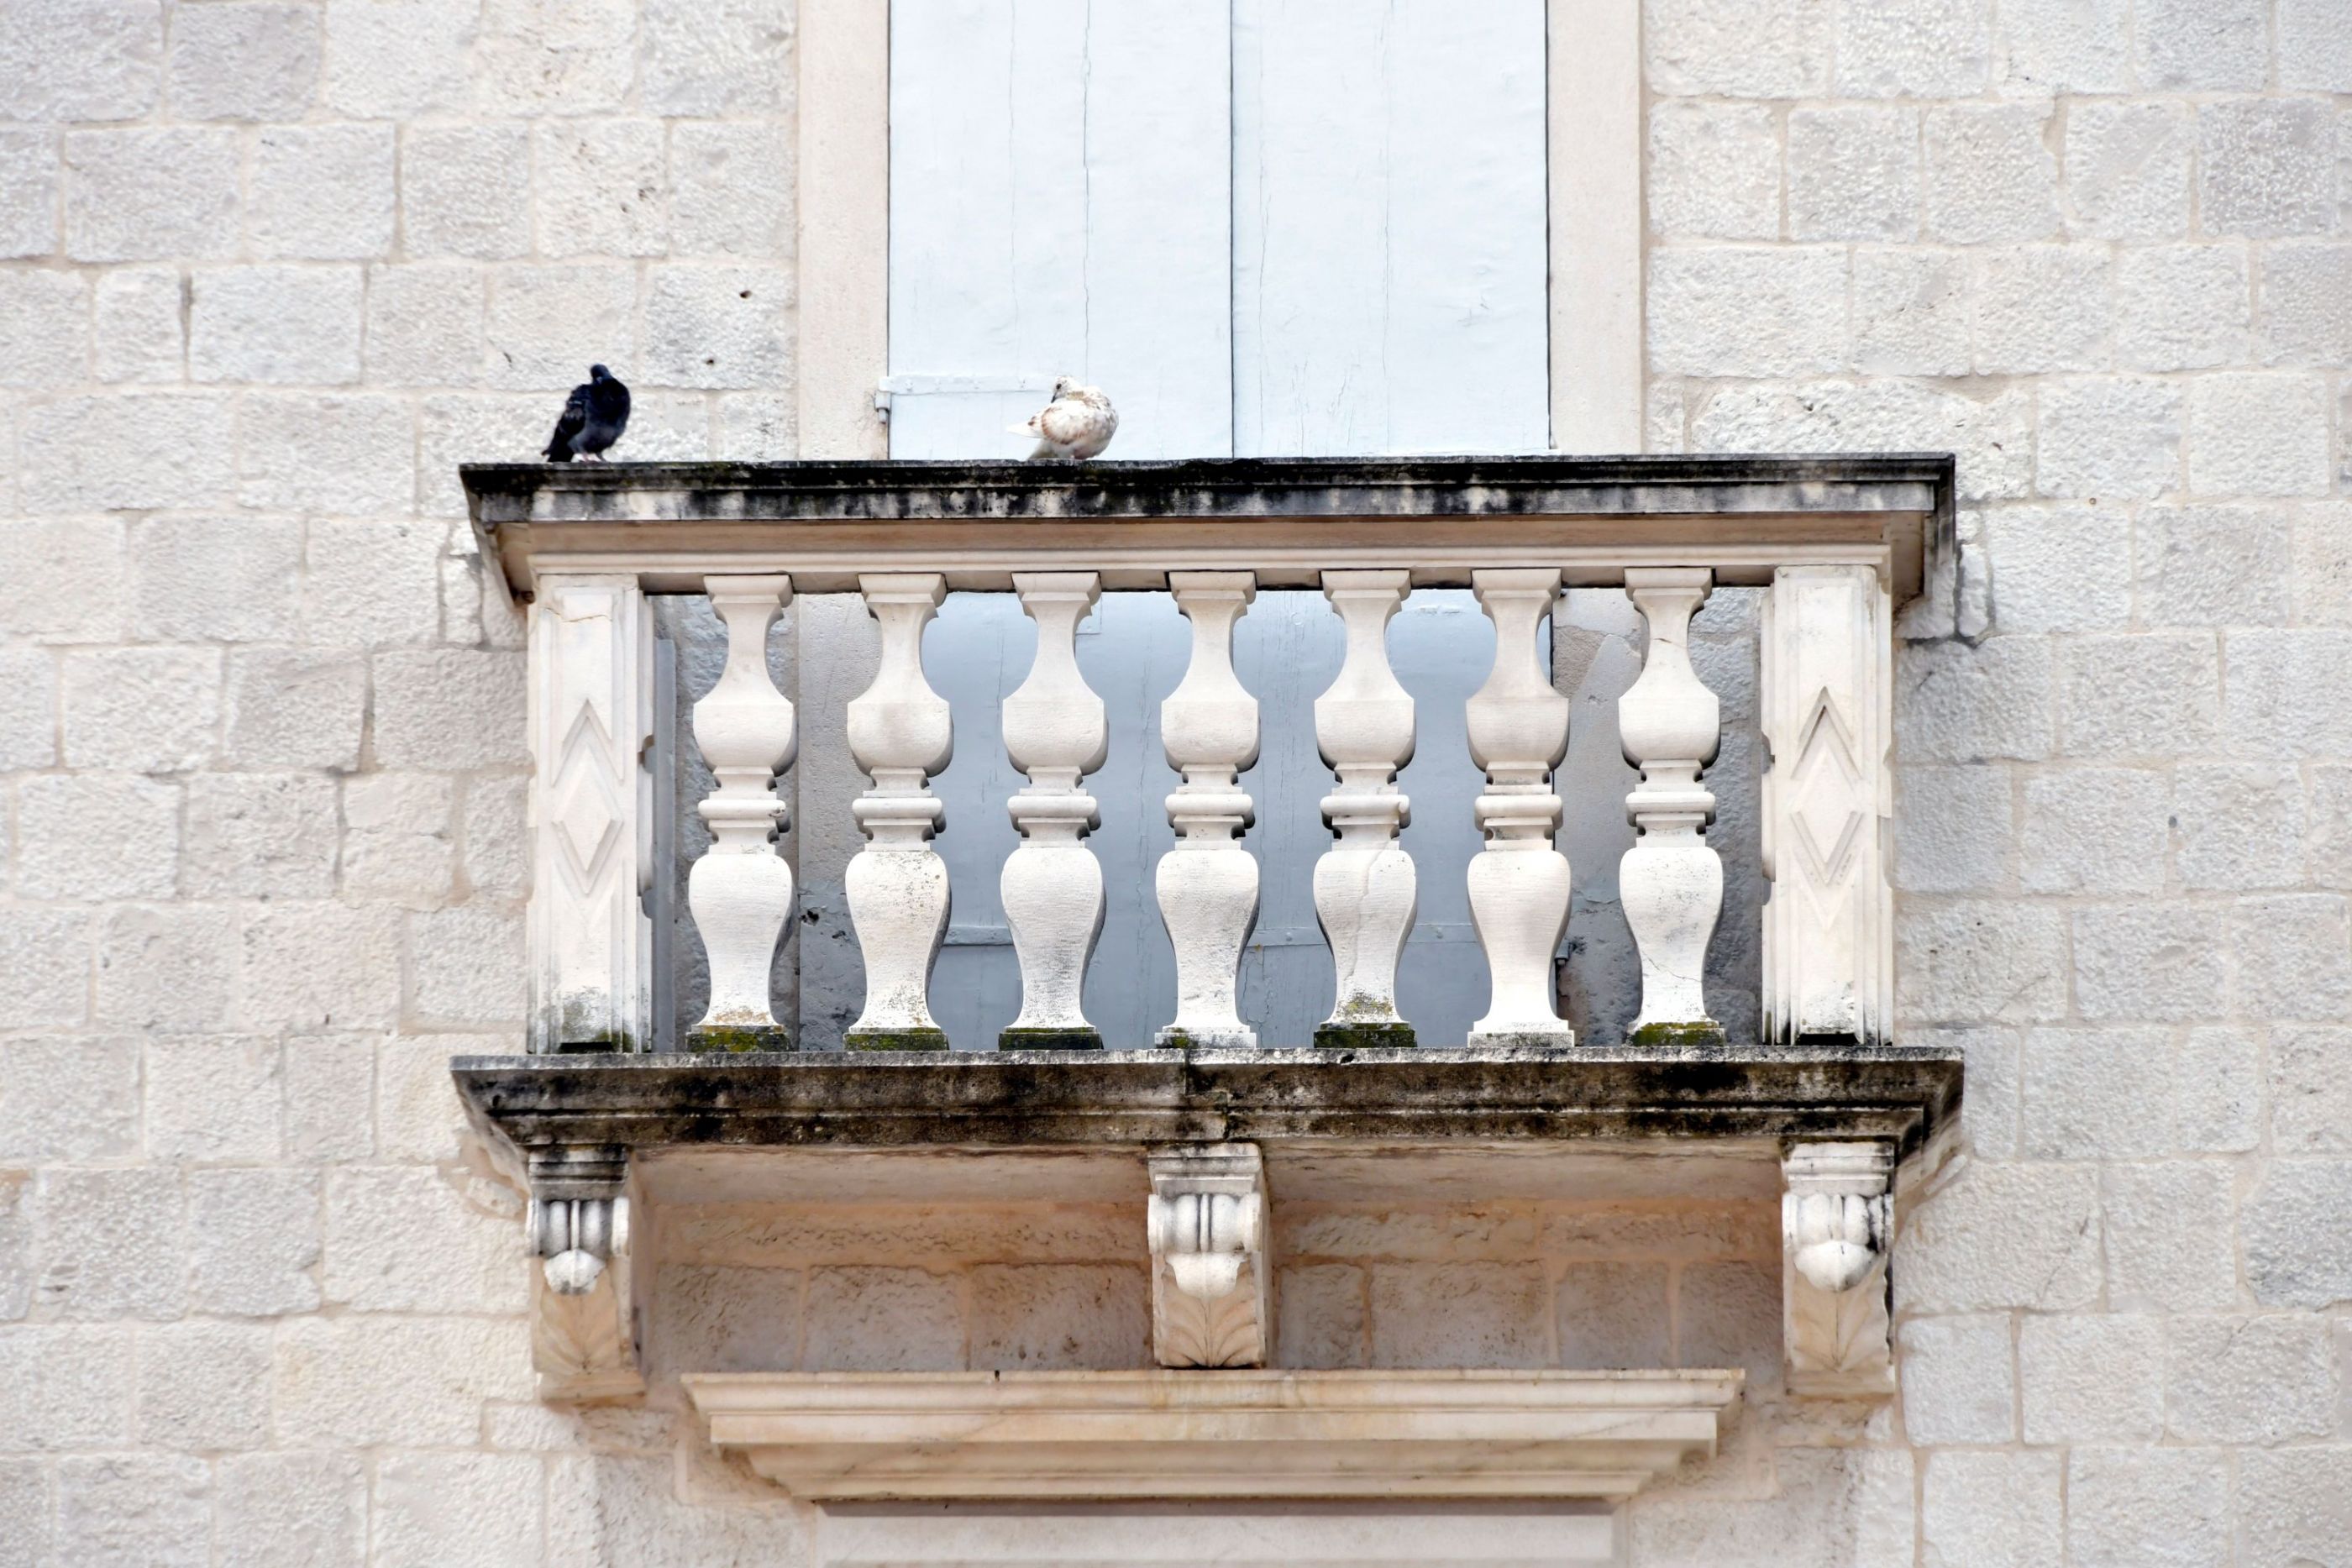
269 269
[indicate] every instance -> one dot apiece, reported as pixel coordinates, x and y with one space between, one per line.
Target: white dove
1077 424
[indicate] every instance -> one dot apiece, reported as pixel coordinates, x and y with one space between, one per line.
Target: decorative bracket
1837 1228
583 1338
1210 1305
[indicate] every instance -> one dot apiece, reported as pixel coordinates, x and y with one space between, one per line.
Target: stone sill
1905 1095
668 524
1153 1432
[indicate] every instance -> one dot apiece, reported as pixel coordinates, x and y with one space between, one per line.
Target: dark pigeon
593 419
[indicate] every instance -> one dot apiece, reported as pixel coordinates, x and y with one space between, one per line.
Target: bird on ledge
1077 424
593 418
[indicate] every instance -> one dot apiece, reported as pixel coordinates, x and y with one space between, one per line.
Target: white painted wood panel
1390 230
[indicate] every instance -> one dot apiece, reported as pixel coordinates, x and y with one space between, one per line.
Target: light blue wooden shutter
1309 228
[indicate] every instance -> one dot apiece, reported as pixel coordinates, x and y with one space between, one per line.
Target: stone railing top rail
1286 519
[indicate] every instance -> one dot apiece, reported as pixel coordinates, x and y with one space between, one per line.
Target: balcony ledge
1114 1435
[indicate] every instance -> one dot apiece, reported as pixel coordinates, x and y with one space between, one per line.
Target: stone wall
277 267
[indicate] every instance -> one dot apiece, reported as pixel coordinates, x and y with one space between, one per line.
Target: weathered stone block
89 836
2140 1094
733 188
398 837
1952 829
719 327
244 61
2239 828
2100 830
65 1386
708 1318
2103 440
466 968
457 1510
72 1099
2314 47
2148 961
555 55
2171 1237
883 1319
152 1509
252 1241
213 1100
1322 1318
322 191
1747 311
2181 307
2069 48
2091 1379
708 59
203 1384
1910 312
364 1380
1992 435
1060 1315
1990 175
448 709
1714 170
548 324
2306 303
1979 960
424 323
1854 173
1958 1381
2043 308
113 1244
1729 1314
2311 1094
1958 704
79 59
2261 1380
396 60
2148 695
2295 955
2294 1506
291 1510
2054 568
28 192
496 864
1991 1511
2146 1508
1913 49
312 965
1460 1315
2258 434
408 1239
151 195
44 965
2265 166
2004 1236
2202 46
2127 169
29 1510
601 188
260 835
292 325
2297 1228
43 329
153 710
137 450
349 453
166 968
289 708
330 1099
464 189
2284 698
135 325
227 579
1611 1315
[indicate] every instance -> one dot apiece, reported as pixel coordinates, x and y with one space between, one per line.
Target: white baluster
1208 883
742 890
1365 890
1052 887
1671 881
1520 883
900 732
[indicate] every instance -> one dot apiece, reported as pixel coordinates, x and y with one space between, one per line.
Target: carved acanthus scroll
1208 1224
1837 1226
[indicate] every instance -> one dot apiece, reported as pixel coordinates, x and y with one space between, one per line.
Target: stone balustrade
1831 549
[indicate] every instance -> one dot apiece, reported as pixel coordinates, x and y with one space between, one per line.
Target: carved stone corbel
1210 1305
1837 1228
582 1329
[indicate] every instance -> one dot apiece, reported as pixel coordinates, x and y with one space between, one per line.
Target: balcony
809 925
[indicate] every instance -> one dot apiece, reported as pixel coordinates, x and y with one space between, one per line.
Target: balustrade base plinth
1049 1040
738 1037
1364 1036
1705 1032
895 1040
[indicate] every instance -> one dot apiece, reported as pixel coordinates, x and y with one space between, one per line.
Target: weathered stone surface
120 453
410 1239
607 1510
1910 313
2006 1235
43 329
2262 1380
320 192
113 1243
717 325
1323 1318
1965 704
73 1100
2265 166
331 1098
1990 1510
731 191
2151 695
2105 441
2182 307
1059 1315
2146 1508
1729 1314
883 1319
166 968
2140 1092
719 1319
97 836
259 835
151 195
1854 173
28 192
548 324
1958 1380
44 965
146 1509
1982 961
461 187
424 322
1751 312
457 1510
2127 171
294 708
313 965
360 1381
2091 1379
712 60
2258 434
2043 308
398 58
2296 1223
1738 48
2294 1505
1460 1315
291 1510
1991 175
252 1241
79 59
2171 1237
600 188
203 1384
2310 1095
216 579
213 1100
241 61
